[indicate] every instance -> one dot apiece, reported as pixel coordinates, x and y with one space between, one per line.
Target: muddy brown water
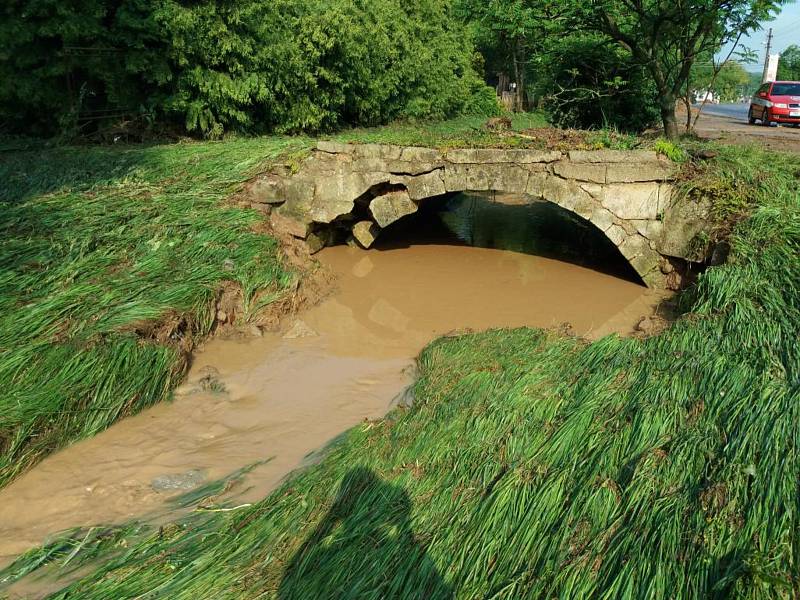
284 397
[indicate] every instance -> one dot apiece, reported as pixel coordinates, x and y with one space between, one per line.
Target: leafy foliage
789 65
666 38
731 82
585 82
212 66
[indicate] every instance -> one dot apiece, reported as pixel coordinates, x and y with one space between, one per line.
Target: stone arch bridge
628 195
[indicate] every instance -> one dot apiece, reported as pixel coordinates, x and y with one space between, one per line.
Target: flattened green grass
98 247
538 466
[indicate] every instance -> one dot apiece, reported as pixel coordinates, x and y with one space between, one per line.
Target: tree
667 36
210 66
510 31
789 65
585 80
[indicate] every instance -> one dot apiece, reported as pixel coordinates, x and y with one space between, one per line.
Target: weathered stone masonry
628 195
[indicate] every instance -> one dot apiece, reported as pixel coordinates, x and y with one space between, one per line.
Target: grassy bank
537 466
110 262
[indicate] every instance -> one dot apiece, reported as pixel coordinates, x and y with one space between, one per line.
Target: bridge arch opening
503 221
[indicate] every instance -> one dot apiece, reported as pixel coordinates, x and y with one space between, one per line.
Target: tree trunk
688 103
667 105
515 58
522 97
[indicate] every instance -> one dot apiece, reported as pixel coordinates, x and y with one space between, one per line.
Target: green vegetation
627 57
121 67
111 260
789 64
534 465
466 131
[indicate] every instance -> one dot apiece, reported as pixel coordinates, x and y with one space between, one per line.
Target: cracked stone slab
336 196
466 177
601 218
335 147
566 193
493 156
390 207
613 156
632 173
632 200
422 186
590 172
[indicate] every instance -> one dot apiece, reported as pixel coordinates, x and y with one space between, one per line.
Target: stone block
390 207
508 178
299 194
367 165
422 186
466 177
616 234
683 221
632 200
365 233
378 151
613 156
581 171
267 189
595 190
418 154
292 225
601 218
565 193
584 206
335 147
651 229
635 245
666 195
315 243
653 171
494 156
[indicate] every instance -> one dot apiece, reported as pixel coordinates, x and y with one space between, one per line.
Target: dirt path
732 130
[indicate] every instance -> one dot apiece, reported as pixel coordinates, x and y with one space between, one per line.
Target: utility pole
765 75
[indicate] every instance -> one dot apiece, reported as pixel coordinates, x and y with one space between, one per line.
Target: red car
776 102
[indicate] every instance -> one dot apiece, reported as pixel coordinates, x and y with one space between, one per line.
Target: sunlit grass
537 466
98 248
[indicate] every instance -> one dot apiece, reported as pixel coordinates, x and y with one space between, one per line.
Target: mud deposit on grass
280 398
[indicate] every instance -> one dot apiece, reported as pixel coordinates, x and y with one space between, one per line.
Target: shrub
212 66
587 82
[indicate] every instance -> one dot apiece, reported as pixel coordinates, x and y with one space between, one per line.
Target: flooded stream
279 398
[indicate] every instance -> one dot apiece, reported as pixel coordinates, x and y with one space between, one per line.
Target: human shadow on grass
364 547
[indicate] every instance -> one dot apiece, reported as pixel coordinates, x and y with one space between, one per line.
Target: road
736 111
728 123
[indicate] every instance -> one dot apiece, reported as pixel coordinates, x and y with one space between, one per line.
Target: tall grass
538 466
110 261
